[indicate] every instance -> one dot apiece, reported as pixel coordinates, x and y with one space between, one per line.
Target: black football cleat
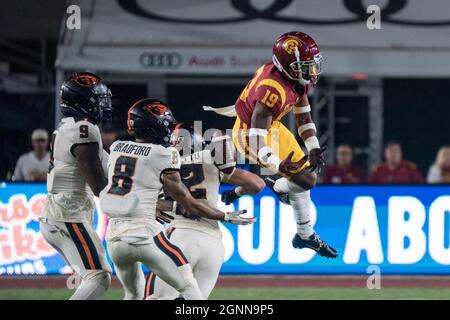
316 244
270 182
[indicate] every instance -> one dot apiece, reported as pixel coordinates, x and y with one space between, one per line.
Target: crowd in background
394 169
33 165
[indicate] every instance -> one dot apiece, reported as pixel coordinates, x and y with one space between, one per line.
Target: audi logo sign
160 60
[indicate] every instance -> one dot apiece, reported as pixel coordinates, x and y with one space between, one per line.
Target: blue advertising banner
401 229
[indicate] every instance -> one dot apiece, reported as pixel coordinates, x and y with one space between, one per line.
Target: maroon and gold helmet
298 57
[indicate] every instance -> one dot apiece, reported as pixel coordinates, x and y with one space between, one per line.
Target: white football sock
299 199
284 185
300 202
93 286
191 290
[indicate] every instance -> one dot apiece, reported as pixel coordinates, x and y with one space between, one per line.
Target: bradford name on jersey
134 183
70 199
270 89
202 173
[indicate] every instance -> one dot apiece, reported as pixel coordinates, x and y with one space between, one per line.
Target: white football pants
205 254
83 251
161 256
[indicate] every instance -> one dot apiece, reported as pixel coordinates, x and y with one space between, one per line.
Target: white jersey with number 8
134 182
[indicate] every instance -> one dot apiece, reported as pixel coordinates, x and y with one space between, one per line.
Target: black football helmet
151 119
84 95
187 138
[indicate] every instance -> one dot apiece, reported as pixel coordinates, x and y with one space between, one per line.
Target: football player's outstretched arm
223 152
246 182
175 188
90 166
249 182
307 131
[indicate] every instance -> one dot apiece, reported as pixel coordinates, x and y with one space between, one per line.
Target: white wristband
312 143
238 191
305 127
257 132
305 109
266 154
274 160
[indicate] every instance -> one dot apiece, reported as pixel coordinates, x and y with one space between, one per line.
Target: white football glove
234 217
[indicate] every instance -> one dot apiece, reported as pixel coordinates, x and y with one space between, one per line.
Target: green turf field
258 293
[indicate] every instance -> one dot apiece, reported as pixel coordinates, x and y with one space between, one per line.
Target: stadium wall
401 229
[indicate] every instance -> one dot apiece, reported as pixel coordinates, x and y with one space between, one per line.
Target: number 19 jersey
134 183
270 89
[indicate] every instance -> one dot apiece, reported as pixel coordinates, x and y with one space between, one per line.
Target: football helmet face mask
297 56
151 119
84 95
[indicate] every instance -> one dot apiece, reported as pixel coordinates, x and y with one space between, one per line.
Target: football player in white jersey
203 168
75 175
137 172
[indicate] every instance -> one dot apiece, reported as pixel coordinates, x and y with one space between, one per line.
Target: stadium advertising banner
401 229
173 60
235 37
